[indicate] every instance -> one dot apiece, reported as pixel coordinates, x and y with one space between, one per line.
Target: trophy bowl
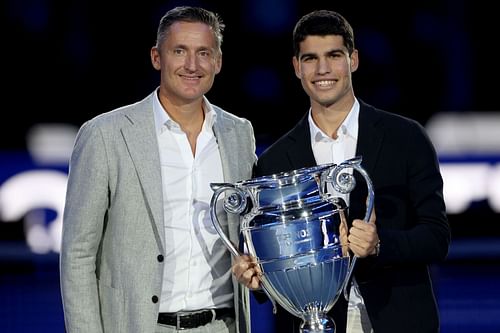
294 224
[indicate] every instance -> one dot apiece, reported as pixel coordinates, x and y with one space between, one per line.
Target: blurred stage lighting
468 146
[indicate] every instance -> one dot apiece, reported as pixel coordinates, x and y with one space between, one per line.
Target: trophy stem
317 322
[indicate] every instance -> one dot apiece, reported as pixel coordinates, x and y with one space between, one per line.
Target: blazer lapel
369 137
300 151
368 146
141 141
226 140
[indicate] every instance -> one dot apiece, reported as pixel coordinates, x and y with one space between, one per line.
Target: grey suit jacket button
160 258
154 299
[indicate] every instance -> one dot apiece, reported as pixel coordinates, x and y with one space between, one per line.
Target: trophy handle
235 203
344 183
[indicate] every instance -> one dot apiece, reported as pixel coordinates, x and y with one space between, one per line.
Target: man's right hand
247 272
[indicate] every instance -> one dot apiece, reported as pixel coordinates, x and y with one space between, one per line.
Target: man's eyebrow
314 55
307 55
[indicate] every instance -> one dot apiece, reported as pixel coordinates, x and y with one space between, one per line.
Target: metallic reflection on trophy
294 224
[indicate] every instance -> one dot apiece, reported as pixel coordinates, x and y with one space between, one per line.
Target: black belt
185 320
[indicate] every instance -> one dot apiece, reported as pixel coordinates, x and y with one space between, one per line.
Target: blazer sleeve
84 215
421 233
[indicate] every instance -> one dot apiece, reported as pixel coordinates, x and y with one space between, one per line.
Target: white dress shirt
197 266
329 150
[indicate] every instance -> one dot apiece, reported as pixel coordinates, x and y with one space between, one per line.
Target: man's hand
363 237
247 272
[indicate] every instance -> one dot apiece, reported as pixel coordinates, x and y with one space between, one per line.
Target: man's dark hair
322 23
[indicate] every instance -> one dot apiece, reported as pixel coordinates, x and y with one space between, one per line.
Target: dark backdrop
69 61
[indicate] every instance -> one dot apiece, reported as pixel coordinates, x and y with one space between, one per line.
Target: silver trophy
294 224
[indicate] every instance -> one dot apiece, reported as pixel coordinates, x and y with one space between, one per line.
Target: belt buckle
178 322
178 317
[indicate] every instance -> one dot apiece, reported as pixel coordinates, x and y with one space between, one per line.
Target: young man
391 290
139 251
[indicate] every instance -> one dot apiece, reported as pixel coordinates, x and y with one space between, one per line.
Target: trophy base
318 323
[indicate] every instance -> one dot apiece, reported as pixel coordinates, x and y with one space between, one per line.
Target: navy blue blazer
411 218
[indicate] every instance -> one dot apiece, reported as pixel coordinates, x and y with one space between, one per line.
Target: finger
254 282
251 279
256 267
363 237
358 241
359 227
238 272
244 260
247 275
359 251
240 267
247 271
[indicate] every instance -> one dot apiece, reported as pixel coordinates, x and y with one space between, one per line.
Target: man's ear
354 60
218 64
296 67
155 58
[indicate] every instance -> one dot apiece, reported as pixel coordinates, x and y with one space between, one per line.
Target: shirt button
160 258
154 299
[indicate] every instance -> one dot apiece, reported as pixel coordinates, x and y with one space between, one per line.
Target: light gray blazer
113 219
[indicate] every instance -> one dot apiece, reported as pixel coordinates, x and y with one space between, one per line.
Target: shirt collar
348 127
163 120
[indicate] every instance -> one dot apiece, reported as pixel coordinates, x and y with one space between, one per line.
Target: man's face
324 68
188 60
